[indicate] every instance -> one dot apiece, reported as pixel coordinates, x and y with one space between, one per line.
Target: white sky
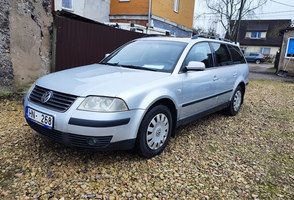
273 9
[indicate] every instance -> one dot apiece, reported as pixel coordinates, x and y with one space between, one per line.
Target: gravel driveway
265 72
249 156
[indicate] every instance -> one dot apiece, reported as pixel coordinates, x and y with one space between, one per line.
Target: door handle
215 78
235 74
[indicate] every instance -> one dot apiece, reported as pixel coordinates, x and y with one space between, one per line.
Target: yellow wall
131 7
165 9
160 8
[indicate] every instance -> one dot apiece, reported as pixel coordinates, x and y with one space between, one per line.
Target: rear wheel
154 132
257 61
235 103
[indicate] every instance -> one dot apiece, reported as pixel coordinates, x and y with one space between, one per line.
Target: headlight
103 104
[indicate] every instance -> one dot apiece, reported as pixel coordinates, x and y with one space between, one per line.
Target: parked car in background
254 57
139 94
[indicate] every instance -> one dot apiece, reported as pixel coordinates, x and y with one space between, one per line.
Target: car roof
194 39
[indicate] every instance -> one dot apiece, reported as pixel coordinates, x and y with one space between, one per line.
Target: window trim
176 5
290 48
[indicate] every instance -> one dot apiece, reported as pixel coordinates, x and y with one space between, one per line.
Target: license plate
40 118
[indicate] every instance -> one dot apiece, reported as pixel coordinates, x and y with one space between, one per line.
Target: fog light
93 141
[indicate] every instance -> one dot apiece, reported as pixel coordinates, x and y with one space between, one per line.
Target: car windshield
147 55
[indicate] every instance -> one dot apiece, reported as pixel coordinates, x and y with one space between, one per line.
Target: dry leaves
249 156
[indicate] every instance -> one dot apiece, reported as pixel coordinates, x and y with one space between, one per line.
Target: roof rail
156 35
210 37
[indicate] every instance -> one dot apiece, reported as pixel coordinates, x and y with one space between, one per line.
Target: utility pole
239 21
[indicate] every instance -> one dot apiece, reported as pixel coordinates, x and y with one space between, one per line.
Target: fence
78 42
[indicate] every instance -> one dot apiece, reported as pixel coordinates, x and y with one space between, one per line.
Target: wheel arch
243 87
171 106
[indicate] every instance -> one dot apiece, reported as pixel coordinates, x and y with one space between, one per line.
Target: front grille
70 139
59 101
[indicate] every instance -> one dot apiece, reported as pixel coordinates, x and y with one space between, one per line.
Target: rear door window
222 55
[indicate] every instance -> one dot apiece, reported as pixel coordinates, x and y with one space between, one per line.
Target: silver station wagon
138 95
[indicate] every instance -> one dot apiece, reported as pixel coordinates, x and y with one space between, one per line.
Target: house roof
257 27
271 27
282 32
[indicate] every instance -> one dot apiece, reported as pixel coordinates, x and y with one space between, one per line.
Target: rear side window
236 54
222 55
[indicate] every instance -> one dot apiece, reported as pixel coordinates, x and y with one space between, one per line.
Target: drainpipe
149 15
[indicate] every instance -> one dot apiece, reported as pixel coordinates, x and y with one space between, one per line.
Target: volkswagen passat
139 94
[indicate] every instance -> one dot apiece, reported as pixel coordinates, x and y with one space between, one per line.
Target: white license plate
43 119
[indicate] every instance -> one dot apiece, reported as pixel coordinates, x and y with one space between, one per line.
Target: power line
282 3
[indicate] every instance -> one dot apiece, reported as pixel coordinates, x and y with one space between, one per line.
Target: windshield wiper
112 64
138 67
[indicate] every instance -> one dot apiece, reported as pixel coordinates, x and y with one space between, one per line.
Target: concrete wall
30 40
25 41
6 70
97 10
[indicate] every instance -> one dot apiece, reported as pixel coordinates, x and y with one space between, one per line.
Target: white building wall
97 10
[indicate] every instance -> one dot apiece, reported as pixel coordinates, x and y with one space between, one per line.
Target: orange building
175 16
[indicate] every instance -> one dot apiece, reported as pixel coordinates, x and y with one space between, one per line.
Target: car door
199 87
227 70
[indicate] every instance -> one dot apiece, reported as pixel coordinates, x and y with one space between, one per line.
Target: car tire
235 103
257 61
154 132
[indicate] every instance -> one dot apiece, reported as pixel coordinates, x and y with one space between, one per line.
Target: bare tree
229 12
201 31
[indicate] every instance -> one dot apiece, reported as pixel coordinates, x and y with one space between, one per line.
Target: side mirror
195 66
106 55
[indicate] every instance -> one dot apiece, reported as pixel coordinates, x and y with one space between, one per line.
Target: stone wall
25 42
6 71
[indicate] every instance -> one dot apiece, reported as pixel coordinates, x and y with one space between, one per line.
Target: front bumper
82 141
101 131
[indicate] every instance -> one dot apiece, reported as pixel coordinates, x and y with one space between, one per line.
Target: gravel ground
249 156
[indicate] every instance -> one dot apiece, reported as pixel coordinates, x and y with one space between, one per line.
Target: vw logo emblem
46 96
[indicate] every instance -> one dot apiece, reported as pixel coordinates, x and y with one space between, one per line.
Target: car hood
97 79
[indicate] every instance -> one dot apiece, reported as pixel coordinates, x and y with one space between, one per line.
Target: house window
67 4
265 51
176 5
290 48
255 35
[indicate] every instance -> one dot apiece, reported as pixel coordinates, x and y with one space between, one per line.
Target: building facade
286 60
174 16
97 10
262 36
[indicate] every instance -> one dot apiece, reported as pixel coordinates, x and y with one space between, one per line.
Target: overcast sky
273 9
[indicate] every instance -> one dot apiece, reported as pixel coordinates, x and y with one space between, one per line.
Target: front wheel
235 103
154 132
